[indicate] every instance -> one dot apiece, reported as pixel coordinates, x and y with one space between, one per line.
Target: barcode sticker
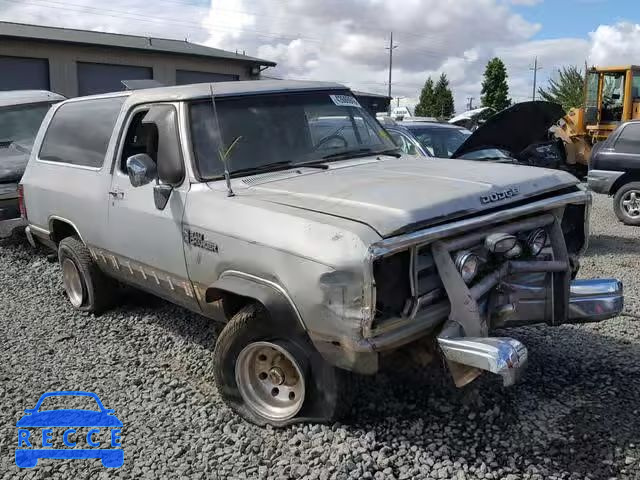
345 101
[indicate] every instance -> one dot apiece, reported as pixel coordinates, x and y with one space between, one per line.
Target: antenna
223 155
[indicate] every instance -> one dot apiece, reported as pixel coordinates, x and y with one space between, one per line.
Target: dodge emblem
500 195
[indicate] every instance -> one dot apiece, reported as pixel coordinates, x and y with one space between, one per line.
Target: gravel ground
575 416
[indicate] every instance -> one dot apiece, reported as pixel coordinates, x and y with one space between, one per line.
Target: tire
628 214
325 395
96 291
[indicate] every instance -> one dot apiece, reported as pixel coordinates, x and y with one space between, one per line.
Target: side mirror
412 150
141 169
170 164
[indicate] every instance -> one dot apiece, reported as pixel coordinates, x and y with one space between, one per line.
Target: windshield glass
612 97
20 123
487 153
439 141
258 131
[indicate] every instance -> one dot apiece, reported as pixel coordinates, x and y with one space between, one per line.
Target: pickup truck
615 170
322 254
21 113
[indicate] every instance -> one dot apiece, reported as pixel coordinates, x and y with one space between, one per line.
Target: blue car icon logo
73 426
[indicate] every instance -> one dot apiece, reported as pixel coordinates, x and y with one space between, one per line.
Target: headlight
467 264
500 243
537 241
515 252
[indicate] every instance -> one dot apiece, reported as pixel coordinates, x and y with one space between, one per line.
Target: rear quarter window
79 132
629 139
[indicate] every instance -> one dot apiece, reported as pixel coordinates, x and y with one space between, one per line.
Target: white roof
20 97
468 115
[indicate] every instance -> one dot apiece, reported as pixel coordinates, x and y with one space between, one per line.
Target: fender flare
273 296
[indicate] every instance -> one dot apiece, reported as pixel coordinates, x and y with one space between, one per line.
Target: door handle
116 194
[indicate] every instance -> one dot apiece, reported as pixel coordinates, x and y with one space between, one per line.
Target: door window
140 138
612 96
629 140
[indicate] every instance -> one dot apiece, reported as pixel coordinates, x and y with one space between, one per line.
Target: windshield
20 123
259 131
484 154
439 141
612 97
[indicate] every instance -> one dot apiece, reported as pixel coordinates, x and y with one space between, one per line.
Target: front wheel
271 376
626 204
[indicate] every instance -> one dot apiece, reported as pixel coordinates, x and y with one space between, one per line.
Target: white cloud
345 40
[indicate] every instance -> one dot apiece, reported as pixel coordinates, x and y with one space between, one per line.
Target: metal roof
365 94
86 37
220 89
22 97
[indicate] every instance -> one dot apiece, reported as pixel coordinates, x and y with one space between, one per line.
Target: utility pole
391 47
470 103
535 76
398 101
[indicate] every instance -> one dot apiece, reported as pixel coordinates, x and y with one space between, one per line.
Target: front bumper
601 181
589 301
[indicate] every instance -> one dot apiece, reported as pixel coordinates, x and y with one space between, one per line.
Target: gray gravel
577 415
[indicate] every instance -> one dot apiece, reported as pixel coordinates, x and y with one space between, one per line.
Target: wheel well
628 177
232 303
61 230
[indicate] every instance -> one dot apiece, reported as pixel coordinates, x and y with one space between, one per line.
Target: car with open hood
21 113
285 211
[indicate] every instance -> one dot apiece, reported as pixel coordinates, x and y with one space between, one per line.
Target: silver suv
284 210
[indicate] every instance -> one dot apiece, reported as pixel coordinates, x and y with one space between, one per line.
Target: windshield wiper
361 152
274 166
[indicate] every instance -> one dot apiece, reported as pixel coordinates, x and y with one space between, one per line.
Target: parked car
21 113
615 170
406 142
321 253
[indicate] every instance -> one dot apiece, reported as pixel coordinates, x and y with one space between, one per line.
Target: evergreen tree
495 91
567 90
443 106
425 105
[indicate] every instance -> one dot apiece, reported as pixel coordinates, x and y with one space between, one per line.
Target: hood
13 160
514 128
398 195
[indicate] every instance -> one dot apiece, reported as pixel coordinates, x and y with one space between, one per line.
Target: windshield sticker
345 101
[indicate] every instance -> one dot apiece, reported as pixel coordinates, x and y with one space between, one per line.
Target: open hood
514 129
398 195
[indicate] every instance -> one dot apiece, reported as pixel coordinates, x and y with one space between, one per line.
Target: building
373 102
79 62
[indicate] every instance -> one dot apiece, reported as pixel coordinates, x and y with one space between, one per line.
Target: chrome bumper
467 357
8 226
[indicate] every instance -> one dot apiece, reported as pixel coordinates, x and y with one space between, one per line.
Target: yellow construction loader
612 96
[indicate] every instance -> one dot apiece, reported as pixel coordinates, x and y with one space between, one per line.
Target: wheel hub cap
631 203
270 380
72 282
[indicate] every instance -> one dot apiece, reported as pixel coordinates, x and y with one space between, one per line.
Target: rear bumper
601 181
7 227
589 301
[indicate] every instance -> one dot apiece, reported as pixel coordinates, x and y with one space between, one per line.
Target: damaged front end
459 282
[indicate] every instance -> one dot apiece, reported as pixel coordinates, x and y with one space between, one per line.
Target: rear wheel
87 288
626 203
274 376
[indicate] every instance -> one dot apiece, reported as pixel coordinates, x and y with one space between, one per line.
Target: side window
140 138
79 132
629 139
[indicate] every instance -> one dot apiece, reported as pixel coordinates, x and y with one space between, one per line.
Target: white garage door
19 73
96 78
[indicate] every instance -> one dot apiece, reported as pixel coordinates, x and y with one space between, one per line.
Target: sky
346 40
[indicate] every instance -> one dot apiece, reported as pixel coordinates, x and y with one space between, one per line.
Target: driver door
146 242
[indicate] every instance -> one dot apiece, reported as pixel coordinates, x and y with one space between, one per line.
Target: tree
495 91
567 90
425 105
443 106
